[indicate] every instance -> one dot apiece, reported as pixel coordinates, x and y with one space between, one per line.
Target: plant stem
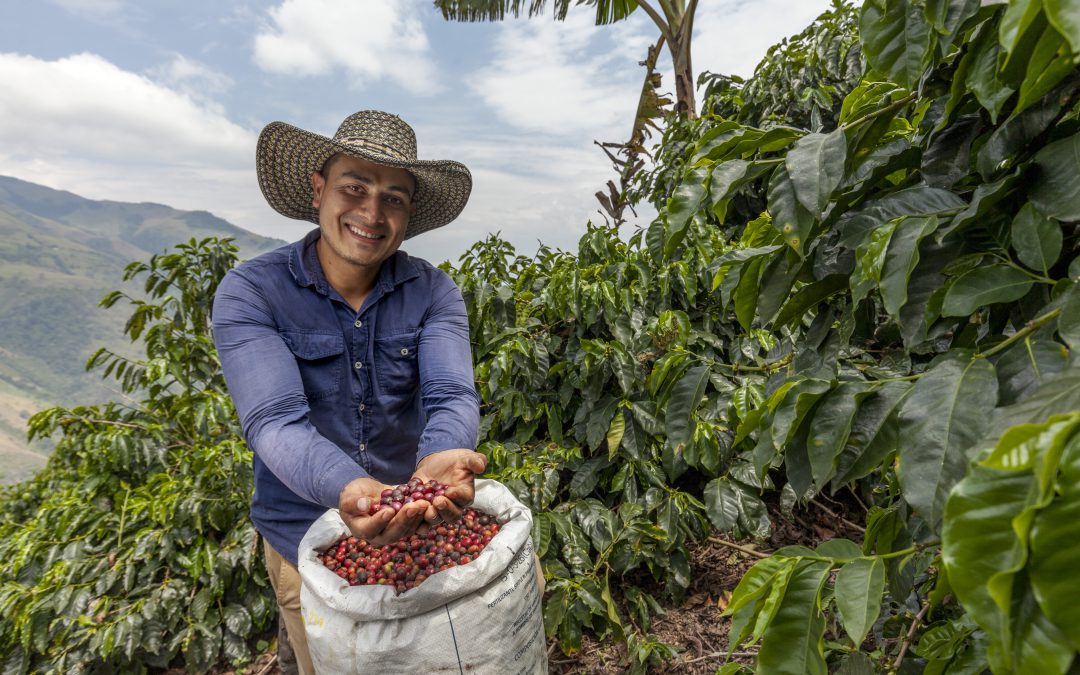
887 110
910 635
1032 326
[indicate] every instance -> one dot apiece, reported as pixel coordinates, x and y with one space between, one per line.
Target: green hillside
59 254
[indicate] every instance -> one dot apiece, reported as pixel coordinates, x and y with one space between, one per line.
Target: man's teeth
365 235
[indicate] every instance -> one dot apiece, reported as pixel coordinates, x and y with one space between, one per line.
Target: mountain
59 254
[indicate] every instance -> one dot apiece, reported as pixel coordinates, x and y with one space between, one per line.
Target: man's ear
317 185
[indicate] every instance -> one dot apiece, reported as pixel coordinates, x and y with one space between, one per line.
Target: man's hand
385 526
455 469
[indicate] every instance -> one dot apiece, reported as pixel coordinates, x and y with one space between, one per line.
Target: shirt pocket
318 356
396 366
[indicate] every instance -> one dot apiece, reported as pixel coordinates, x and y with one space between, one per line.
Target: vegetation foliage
132 549
868 292
881 306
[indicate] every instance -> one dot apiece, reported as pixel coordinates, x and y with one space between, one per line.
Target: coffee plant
892 326
132 549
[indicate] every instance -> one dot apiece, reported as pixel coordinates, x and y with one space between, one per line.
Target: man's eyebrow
366 180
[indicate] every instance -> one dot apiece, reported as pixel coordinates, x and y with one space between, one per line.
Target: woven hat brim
286 156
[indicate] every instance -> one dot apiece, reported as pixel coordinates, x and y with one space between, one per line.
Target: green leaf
1069 320
1055 549
789 216
747 293
985 285
816 165
982 73
978 541
724 179
237 620
901 257
897 39
615 433
839 550
685 397
939 423
1064 15
1056 190
808 297
793 642
794 406
1011 141
830 427
1049 64
873 433
1027 365
870 258
682 206
1036 239
859 587
722 504
1021 26
1055 396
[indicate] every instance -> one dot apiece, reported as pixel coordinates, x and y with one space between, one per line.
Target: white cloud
83 124
82 105
732 36
548 76
369 40
193 78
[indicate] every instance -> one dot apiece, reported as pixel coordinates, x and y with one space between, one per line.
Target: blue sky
154 100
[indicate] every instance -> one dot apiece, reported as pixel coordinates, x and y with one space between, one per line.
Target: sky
163 100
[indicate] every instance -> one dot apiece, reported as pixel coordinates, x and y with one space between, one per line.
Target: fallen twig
744 549
834 514
720 655
269 666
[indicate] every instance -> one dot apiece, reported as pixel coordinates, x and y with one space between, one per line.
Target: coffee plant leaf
984 286
1022 25
1036 239
793 641
816 166
830 428
1055 548
859 588
1056 193
897 40
939 423
1064 16
901 258
789 216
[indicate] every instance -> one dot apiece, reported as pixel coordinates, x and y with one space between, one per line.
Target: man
348 360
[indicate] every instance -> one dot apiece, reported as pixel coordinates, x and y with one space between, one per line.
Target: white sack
483 617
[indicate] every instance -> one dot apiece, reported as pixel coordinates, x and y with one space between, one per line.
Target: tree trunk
684 79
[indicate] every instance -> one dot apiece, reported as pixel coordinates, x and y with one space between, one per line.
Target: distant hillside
59 254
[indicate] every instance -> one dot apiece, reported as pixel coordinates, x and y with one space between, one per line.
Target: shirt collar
306 270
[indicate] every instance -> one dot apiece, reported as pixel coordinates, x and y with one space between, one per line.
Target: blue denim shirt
327 394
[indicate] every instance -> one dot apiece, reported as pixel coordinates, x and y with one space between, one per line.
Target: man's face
364 209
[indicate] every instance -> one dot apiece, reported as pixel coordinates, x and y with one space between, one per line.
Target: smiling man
347 359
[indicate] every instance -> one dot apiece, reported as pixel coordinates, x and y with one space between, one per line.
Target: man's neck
353 282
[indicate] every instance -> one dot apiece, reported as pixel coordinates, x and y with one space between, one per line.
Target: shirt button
358 323
362 446
358 365
404 351
361 407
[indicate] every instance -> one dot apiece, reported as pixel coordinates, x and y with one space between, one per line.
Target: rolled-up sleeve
447 389
266 387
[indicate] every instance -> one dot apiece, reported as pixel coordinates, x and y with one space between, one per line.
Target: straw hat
286 157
